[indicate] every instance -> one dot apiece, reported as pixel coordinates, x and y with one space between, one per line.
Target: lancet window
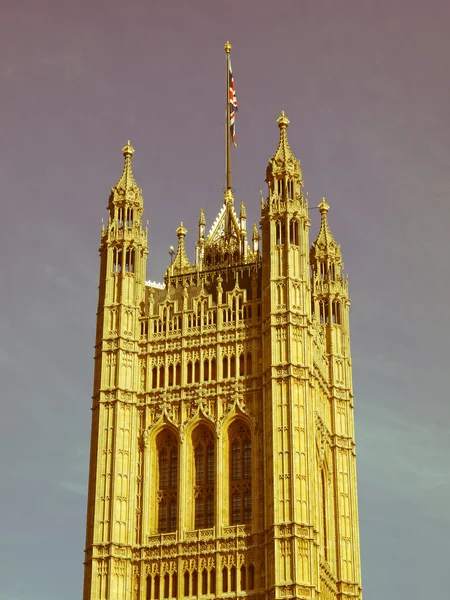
152 587
167 482
129 260
336 312
279 232
293 232
240 474
129 217
203 441
117 260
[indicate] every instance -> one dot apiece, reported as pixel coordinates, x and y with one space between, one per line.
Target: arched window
117 261
225 367
166 585
194 583
249 364
197 371
203 442
240 474
129 260
251 577
243 582
224 580
167 482
212 581
233 366
233 579
241 365
174 585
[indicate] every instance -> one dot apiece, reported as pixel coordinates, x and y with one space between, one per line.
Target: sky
366 87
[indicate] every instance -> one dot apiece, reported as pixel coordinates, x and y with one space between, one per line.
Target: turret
285 225
329 288
117 375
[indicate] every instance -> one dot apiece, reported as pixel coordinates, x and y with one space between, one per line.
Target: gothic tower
222 450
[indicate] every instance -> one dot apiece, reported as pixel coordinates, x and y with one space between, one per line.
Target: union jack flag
233 106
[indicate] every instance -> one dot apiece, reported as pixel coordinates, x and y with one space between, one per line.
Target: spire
127 188
284 151
127 180
325 248
181 262
283 161
255 238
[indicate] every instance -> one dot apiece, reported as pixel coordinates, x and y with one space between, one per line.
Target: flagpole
227 48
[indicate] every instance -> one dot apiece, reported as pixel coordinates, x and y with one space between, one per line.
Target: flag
233 105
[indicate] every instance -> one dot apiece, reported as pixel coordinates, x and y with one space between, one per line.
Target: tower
222 450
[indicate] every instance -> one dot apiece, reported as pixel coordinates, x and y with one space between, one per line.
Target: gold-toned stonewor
222 454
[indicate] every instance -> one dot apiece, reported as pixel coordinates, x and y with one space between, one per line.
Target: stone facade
222 450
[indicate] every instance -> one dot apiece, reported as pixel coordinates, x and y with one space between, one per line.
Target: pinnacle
127 180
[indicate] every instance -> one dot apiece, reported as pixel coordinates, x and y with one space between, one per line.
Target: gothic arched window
240 474
203 442
167 482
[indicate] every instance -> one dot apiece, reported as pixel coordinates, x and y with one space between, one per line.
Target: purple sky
366 87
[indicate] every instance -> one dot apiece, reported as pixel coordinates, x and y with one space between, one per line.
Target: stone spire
181 262
126 189
255 238
325 248
283 161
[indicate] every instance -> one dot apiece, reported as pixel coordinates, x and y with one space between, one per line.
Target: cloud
73 486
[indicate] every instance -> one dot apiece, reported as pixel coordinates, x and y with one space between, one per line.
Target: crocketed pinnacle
325 243
284 151
181 262
127 181
284 160
202 219
243 213
126 189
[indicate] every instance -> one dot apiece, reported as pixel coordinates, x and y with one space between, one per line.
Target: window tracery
167 482
240 474
203 442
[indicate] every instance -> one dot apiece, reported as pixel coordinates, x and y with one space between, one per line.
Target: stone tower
222 451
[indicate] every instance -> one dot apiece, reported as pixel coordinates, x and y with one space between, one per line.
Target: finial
228 197
255 235
227 47
282 120
243 213
128 149
202 219
181 231
323 207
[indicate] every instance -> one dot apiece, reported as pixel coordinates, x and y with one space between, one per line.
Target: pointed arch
203 443
240 473
167 447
